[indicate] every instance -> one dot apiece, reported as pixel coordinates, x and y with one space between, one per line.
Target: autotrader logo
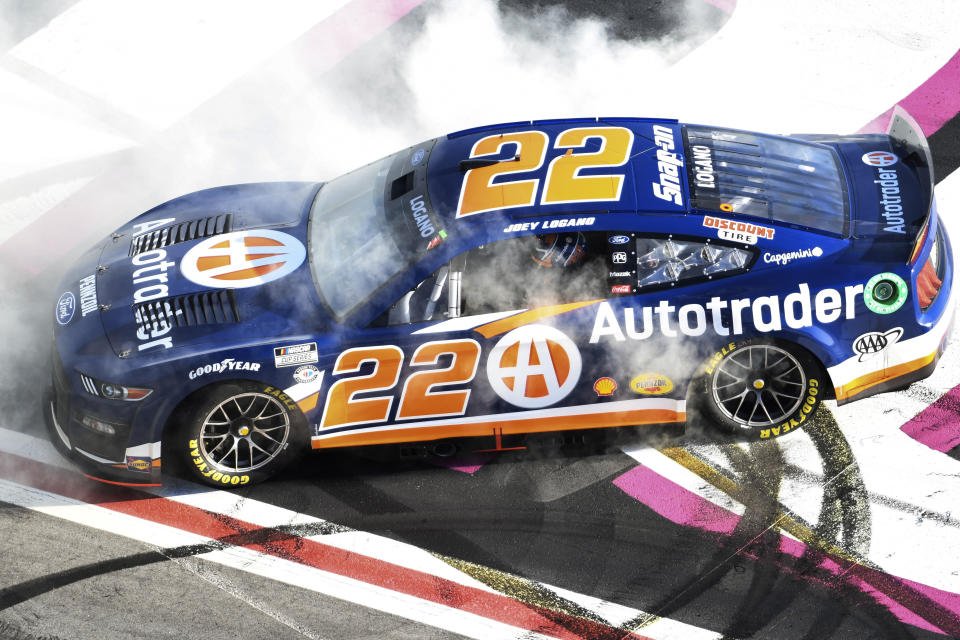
879 158
534 366
242 259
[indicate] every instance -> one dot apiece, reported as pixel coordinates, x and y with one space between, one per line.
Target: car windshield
368 226
773 177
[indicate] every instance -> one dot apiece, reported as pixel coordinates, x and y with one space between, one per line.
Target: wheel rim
758 385
244 432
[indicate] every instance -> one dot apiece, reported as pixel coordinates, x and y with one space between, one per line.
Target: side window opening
527 272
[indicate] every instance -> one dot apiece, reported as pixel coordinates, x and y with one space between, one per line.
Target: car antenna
476 163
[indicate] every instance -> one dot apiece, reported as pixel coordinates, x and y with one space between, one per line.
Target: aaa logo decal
870 344
534 366
243 259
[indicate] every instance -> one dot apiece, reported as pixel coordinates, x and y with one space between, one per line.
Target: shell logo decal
605 386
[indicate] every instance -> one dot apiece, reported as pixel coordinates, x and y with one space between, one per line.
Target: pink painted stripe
931 104
723 5
469 463
916 604
938 426
674 502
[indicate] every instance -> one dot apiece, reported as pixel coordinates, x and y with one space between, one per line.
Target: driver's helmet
559 249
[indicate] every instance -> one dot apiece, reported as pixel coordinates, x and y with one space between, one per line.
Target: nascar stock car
512 279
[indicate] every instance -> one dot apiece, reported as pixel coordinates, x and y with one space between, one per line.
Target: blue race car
513 279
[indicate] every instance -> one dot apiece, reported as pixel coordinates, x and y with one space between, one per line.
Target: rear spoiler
912 147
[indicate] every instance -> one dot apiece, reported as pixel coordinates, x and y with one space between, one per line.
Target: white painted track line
267 515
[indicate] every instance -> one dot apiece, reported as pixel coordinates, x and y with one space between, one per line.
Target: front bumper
104 457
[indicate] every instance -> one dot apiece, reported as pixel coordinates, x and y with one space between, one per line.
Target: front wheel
242 433
761 389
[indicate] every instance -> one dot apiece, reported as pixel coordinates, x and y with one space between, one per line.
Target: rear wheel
762 389
242 433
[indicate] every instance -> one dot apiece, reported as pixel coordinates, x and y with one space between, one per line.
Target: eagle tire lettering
211 420
799 365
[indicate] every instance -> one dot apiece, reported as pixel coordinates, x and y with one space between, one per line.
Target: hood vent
183 232
209 307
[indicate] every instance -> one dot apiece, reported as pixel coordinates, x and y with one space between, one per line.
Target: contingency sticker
305 353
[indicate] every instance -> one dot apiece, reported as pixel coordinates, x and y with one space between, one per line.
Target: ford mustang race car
520 278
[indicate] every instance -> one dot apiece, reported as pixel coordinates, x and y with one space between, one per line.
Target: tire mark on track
383 512
841 536
268 537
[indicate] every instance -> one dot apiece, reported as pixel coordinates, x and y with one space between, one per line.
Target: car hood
220 265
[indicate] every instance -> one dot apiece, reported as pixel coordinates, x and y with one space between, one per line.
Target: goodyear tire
241 433
760 388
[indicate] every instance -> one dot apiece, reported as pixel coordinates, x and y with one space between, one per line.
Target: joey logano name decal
668 164
243 259
768 313
551 224
534 366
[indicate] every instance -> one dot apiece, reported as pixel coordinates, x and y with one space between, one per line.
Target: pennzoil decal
651 384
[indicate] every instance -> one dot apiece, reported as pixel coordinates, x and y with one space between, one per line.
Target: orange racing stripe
864 382
515 426
497 327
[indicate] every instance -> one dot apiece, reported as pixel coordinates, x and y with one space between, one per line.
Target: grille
183 232
61 390
209 307
89 384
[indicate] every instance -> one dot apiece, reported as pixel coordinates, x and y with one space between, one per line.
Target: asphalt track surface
847 530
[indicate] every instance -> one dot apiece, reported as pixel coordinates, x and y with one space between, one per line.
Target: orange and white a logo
242 259
534 366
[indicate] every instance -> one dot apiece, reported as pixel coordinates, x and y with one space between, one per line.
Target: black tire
241 433
760 388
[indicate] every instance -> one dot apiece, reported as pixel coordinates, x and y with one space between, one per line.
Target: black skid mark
845 508
761 471
845 517
385 514
23 591
750 531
